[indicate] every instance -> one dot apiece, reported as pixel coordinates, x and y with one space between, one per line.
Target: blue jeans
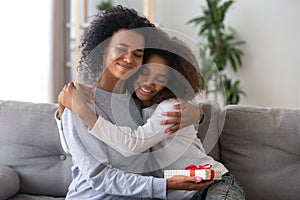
226 189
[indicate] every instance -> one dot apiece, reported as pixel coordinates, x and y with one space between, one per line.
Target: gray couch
260 146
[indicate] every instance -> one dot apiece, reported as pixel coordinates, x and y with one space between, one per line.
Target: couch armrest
9 182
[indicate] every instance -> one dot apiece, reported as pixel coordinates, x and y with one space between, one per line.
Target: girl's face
152 78
124 52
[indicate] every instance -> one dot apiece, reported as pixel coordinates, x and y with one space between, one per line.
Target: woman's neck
110 83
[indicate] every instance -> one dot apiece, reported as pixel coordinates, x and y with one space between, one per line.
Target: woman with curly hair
112 46
165 79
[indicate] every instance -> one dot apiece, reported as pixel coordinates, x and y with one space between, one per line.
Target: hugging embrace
133 115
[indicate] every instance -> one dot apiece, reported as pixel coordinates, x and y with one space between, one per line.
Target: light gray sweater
100 172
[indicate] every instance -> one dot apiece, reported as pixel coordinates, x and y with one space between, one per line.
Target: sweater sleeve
129 141
61 135
113 181
99 174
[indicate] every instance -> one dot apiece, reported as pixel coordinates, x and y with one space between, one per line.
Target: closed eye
162 79
138 54
121 49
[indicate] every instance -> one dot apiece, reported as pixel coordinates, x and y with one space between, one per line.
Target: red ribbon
192 169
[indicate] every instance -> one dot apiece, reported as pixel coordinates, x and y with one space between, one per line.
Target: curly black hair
97 37
185 79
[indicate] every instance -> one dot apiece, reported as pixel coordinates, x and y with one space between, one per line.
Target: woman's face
152 78
124 52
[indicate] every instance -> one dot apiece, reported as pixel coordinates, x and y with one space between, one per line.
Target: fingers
199 179
172 114
180 182
206 183
69 87
90 86
171 130
170 121
184 105
86 91
78 85
189 114
174 121
197 183
77 90
63 101
83 87
177 106
193 179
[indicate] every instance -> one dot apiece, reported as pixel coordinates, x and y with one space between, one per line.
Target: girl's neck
146 104
110 83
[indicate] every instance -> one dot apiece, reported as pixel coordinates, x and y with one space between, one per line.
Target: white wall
25 53
271 29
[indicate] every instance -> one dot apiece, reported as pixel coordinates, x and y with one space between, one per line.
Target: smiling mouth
144 90
127 68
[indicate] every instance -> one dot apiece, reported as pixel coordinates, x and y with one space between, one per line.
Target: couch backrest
261 147
29 143
208 131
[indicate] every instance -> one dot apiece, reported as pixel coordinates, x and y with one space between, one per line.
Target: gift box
203 171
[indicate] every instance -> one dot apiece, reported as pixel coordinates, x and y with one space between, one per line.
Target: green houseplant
219 49
103 5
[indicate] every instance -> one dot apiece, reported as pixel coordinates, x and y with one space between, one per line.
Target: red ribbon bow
192 169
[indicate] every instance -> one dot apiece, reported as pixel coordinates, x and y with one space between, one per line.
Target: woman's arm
129 141
125 140
97 171
74 96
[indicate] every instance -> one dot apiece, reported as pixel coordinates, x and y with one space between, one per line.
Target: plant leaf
232 62
224 9
204 27
197 20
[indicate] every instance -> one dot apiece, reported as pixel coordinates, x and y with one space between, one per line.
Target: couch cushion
29 143
261 147
32 197
9 182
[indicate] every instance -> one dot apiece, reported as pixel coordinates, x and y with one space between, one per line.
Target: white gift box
205 174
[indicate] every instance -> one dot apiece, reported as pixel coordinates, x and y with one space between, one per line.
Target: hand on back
74 96
187 114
